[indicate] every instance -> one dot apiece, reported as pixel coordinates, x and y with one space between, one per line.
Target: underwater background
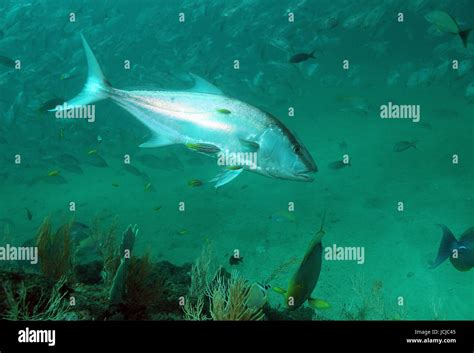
336 112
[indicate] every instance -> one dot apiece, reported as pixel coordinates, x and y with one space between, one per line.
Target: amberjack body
206 121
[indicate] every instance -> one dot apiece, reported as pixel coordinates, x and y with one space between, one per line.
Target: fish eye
296 148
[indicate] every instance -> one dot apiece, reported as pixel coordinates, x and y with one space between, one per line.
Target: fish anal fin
156 141
226 177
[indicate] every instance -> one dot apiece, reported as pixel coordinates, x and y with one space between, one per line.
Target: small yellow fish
148 187
195 182
182 232
157 208
53 173
234 167
304 280
283 216
91 152
115 184
64 76
203 147
61 133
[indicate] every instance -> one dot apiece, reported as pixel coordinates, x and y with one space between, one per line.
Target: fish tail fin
311 55
448 243
464 35
96 88
318 303
413 144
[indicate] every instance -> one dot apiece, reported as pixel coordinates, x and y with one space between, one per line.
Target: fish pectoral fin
318 303
249 146
226 177
279 290
157 141
203 86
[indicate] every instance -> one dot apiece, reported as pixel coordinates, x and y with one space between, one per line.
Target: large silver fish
207 121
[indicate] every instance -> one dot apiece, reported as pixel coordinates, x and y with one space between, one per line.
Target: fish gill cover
236 160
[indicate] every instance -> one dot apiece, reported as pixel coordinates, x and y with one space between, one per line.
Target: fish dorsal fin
323 218
319 235
203 86
157 141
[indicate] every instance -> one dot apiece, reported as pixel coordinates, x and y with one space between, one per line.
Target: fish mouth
306 176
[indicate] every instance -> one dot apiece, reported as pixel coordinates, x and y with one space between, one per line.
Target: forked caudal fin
96 88
446 247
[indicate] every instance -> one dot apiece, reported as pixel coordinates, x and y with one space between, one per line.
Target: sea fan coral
228 298
46 307
54 251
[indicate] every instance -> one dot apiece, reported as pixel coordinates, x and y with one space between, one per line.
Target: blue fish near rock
460 252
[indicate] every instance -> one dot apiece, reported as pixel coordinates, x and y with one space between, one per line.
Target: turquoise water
336 113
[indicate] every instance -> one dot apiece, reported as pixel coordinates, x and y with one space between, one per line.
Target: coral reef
25 304
228 298
54 251
195 307
200 273
106 245
368 303
144 288
220 297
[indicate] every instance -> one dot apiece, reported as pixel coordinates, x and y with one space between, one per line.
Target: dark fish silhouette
66 158
77 231
131 169
54 179
338 165
446 23
28 214
50 104
6 61
74 168
404 145
235 260
460 252
97 161
300 57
